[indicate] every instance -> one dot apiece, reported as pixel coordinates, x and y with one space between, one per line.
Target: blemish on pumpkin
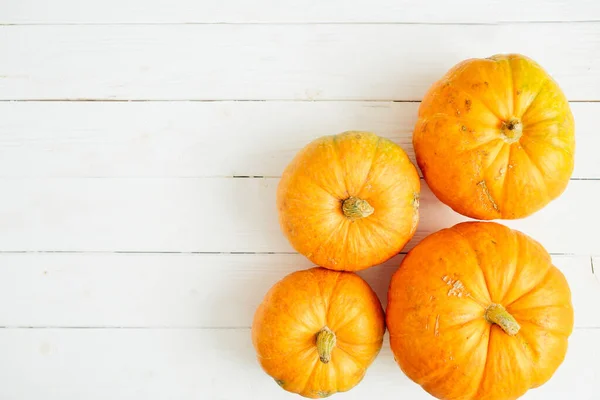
436 329
500 173
415 200
279 382
324 393
468 105
488 195
519 92
463 128
457 288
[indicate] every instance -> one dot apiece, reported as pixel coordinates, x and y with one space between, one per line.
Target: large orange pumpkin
495 138
478 311
317 331
350 201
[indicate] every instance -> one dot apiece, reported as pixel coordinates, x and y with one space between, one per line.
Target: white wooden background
141 142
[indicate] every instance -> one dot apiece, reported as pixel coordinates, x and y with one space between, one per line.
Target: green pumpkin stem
355 208
325 343
497 314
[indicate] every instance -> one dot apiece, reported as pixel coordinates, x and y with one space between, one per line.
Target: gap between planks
282 100
283 23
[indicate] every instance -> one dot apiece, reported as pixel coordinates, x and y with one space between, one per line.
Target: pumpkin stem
512 130
325 343
355 208
497 314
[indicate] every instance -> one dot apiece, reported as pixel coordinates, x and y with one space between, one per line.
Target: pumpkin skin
349 201
449 299
287 327
495 138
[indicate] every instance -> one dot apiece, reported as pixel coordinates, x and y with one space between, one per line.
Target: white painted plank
239 11
186 290
73 364
222 215
199 139
223 61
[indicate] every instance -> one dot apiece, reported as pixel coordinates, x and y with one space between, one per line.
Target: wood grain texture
186 290
72 364
290 11
222 215
200 139
310 62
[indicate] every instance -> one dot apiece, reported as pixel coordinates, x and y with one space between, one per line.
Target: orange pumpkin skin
443 314
287 326
495 138
349 201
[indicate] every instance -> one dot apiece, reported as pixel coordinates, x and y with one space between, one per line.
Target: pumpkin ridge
311 376
504 185
336 151
477 258
471 94
433 376
375 153
533 288
540 90
547 143
528 357
292 318
479 146
326 241
495 158
514 264
346 342
376 231
432 379
545 329
534 124
551 305
487 359
536 166
377 222
332 294
461 118
318 281
352 357
389 188
513 84
348 322
345 242
488 170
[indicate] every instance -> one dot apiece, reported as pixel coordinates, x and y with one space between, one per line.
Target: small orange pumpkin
317 331
349 201
478 311
495 138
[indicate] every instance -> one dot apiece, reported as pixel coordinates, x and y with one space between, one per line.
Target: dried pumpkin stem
355 208
325 343
512 130
497 314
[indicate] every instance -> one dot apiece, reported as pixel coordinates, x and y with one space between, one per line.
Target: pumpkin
478 311
317 331
349 201
495 138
